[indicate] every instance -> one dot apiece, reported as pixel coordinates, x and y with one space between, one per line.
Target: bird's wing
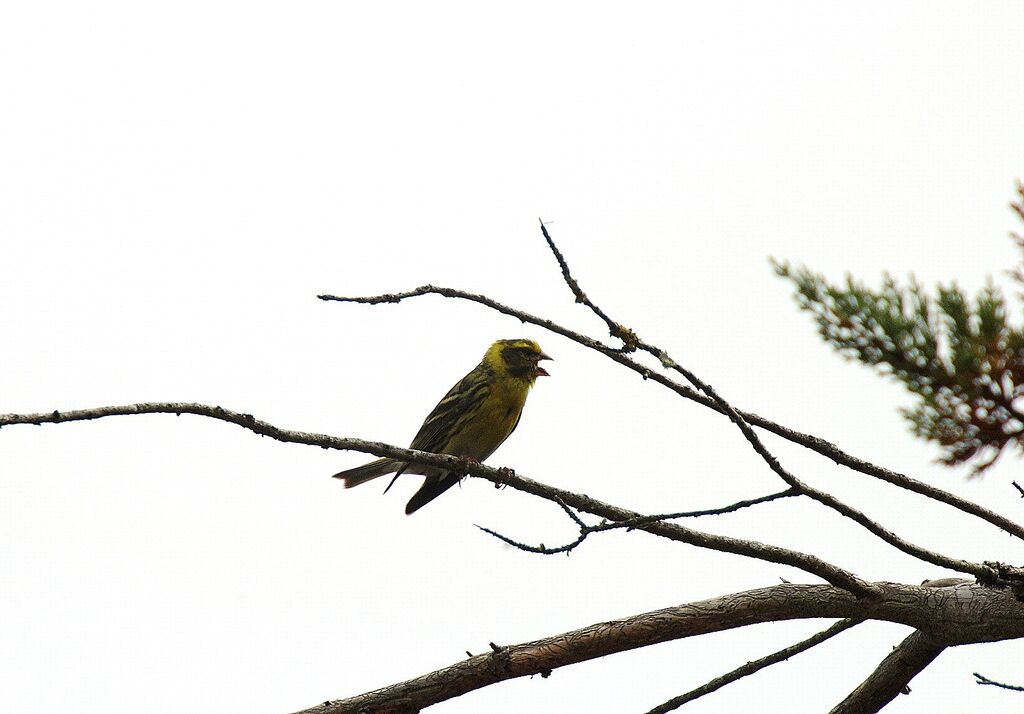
431 489
461 403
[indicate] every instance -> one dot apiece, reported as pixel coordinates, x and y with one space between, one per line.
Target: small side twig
540 549
571 513
983 680
630 523
619 332
756 666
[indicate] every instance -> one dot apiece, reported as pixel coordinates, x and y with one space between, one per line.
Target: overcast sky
179 182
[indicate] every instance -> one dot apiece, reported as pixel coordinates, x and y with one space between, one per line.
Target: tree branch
826 499
633 523
813 443
616 330
632 342
982 679
756 666
893 675
501 476
955 615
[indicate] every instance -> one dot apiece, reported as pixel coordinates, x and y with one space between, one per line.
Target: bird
471 421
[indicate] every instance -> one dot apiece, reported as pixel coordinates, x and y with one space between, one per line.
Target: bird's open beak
539 371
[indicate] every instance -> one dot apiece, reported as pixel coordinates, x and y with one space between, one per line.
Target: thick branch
893 675
956 615
809 563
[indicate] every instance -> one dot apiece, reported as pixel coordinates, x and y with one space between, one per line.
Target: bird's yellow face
517 358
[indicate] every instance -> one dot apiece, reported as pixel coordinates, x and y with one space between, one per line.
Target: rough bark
952 615
893 675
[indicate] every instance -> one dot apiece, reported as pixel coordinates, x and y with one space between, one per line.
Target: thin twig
632 523
982 679
501 476
541 549
571 513
756 666
632 341
614 329
731 508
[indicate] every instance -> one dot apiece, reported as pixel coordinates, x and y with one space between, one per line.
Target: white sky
177 183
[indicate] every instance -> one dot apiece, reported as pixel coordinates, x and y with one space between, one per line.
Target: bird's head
517 358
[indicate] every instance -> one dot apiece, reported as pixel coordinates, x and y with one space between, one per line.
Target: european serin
472 420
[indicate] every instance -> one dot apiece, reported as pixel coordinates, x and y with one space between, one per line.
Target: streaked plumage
471 421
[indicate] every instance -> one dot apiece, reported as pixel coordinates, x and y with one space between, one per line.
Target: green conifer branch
960 357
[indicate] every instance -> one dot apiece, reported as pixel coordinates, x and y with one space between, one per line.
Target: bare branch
982 679
542 549
246 421
956 615
731 508
893 675
616 330
632 523
827 499
756 666
633 342
571 513
929 556
500 476
716 404
673 531
808 441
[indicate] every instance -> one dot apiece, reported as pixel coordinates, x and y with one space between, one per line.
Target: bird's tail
368 472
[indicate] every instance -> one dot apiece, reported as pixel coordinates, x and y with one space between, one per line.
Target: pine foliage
960 357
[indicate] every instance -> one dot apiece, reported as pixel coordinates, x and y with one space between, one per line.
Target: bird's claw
466 461
505 472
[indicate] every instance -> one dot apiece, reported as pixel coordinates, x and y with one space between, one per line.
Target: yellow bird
472 420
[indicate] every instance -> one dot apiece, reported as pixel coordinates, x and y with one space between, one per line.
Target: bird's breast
496 417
